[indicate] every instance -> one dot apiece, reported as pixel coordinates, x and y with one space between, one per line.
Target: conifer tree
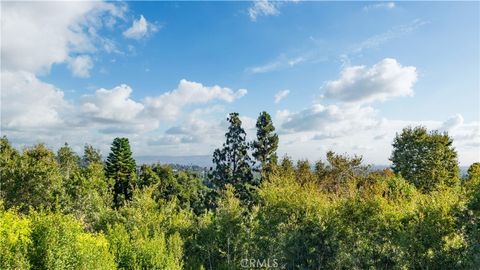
232 162
266 144
121 168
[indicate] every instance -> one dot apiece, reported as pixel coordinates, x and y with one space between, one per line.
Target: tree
471 215
147 177
340 171
30 180
304 172
9 162
473 173
121 167
265 147
425 159
232 162
91 155
286 167
67 160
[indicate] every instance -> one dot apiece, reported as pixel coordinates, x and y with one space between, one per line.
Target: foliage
265 146
42 240
14 240
121 167
31 179
184 186
232 162
425 159
55 210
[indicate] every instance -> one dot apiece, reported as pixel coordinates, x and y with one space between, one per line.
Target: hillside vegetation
254 210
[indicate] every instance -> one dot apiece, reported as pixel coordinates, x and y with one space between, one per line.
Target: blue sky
351 74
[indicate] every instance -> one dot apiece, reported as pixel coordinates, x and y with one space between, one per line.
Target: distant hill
202 161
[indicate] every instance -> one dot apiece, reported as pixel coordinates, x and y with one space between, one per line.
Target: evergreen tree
121 168
265 147
232 162
425 159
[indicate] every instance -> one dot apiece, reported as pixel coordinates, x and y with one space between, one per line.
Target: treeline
255 211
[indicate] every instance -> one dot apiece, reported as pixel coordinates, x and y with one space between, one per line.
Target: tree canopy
60 211
426 159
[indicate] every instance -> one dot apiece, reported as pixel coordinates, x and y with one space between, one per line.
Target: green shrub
14 240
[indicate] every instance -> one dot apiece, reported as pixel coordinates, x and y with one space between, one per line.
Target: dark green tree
121 168
266 144
147 176
426 159
232 162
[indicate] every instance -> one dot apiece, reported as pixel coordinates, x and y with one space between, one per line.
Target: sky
341 76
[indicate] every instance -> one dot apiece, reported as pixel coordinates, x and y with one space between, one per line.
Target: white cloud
111 105
386 5
374 143
170 104
331 118
385 80
140 28
263 8
80 66
36 35
281 95
30 103
452 123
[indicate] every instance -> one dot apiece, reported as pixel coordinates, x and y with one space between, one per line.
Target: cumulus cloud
374 143
281 95
30 103
80 66
36 35
169 105
385 80
452 123
111 105
140 28
332 118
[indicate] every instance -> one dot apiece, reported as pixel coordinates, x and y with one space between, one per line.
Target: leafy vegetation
63 211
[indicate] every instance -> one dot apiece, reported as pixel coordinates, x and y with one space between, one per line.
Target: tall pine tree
232 162
266 144
121 168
